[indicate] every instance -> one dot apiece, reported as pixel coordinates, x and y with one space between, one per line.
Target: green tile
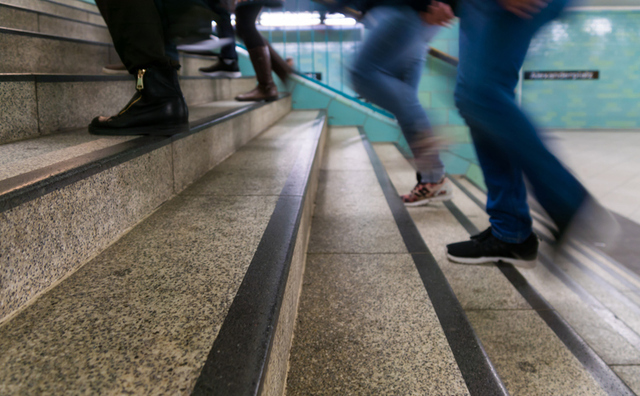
474 173
307 98
378 131
341 114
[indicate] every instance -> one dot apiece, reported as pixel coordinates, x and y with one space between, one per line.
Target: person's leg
493 44
227 65
246 16
136 28
158 107
510 218
225 30
387 72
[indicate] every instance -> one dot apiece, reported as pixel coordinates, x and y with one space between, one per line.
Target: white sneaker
209 45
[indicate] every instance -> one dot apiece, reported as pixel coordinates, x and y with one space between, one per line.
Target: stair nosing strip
46 36
473 362
238 360
15 7
21 189
592 363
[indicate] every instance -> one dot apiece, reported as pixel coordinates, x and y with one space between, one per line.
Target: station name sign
562 75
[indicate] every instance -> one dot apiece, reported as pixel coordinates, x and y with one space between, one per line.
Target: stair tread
534 360
25 156
142 316
366 324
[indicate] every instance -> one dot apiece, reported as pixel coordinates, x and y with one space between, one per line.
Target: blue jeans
493 45
387 72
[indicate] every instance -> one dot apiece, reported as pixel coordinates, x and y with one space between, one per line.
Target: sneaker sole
446 197
486 260
223 74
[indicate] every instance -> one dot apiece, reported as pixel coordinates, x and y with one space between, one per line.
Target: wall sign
562 75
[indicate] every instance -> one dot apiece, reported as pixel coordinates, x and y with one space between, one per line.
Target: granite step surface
75 10
34 52
152 314
544 336
21 18
367 322
65 198
38 105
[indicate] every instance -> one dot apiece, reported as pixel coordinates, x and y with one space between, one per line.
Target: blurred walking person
387 72
494 39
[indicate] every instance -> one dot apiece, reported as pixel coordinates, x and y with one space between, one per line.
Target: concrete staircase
196 265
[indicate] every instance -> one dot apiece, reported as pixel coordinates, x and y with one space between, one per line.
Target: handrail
346 96
443 56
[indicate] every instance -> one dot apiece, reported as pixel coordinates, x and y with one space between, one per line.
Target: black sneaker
227 68
486 248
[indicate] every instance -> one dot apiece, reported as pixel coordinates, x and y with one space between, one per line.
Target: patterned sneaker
423 193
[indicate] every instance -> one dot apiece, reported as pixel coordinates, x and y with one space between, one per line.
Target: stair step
36 21
36 105
534 350
368 324
75 10
143 316
33 52
78 193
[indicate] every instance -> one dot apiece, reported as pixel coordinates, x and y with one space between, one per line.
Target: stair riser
32 54
58 9
24 53
30 108
15 18
76 222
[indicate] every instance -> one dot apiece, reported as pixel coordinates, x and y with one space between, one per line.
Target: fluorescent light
339 20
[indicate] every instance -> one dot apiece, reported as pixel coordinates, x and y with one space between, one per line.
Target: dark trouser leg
246 17
137 32
225 30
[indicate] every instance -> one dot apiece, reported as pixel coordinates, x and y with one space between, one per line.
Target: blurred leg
387 72
493 45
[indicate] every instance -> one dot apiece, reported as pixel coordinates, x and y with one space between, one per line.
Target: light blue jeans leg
387 72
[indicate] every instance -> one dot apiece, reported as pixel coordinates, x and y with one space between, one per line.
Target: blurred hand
525 9
439 14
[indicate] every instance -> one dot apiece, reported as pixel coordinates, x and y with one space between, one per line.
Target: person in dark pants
142 35
263 57
227 65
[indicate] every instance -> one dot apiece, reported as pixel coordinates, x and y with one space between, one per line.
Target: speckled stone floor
365 324
141 317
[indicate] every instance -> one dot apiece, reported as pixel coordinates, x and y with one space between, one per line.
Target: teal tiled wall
607 41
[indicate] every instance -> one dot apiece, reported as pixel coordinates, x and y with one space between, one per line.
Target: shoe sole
156 130
486 260
223 74
446 197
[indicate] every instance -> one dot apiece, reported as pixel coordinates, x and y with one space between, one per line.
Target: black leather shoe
158 108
